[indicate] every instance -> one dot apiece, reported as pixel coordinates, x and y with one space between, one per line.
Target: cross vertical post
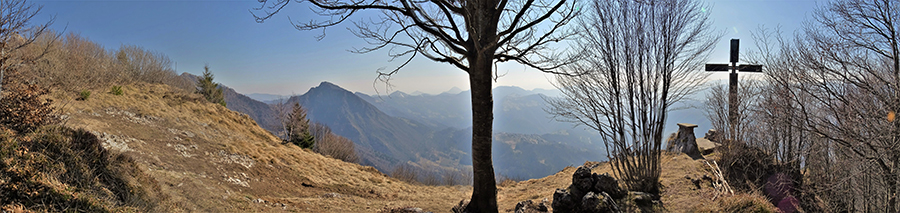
733 83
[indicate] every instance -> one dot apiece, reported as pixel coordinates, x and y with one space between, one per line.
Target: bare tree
829 105
330 144
16 33
282 109
850 68
641 56
716 109
472 35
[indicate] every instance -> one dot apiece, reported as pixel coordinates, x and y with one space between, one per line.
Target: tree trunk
484 193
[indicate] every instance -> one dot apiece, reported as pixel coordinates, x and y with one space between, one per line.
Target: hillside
211 159
200 157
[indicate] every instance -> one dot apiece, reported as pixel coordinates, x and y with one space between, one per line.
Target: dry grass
208 158
739 203
678 193
60 169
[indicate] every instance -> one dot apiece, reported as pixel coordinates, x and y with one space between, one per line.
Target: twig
720 184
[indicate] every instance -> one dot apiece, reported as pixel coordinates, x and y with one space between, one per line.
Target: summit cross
733 80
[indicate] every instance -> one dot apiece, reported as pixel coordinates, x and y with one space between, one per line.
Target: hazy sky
275 58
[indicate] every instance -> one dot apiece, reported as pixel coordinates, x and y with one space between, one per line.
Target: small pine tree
209 89
297 126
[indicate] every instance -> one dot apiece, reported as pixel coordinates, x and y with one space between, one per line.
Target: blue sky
275 58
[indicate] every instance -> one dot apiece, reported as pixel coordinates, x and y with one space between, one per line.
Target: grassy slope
208 158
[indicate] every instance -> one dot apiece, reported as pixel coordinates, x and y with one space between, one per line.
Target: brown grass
60 169
739 203
208 158
678 193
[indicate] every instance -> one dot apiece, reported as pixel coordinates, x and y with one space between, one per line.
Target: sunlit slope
209 158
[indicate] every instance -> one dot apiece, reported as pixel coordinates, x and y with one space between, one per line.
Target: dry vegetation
678 194
209 158
140 139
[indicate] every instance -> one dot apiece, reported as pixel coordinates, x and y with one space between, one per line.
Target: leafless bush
74 63
640 57
406 173
337 147
17 34
716 109
453 178
430 179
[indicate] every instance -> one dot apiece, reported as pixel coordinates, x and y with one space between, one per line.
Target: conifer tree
209 89
297 126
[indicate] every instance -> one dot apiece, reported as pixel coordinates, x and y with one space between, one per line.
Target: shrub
453 178
430 179
84 95
405 173
746 167
337 147
116 90
746 203
22 107
738 203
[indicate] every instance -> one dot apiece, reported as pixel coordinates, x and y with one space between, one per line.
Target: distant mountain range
265 98
433 132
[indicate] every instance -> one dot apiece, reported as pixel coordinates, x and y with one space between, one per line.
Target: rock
706 146
582 180
259 200
403 210
592 202
713 135
563 201
642 198
528 206
608 184
461 207
412 209
684 141
331 195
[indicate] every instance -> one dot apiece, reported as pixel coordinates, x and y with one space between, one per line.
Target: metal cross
733 80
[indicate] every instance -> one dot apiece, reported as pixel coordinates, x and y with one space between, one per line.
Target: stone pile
589 192
529 206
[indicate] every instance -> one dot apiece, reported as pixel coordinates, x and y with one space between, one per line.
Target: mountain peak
326 84
454 91
398 93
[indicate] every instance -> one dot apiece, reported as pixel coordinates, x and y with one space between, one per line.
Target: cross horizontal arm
749 68
718 67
